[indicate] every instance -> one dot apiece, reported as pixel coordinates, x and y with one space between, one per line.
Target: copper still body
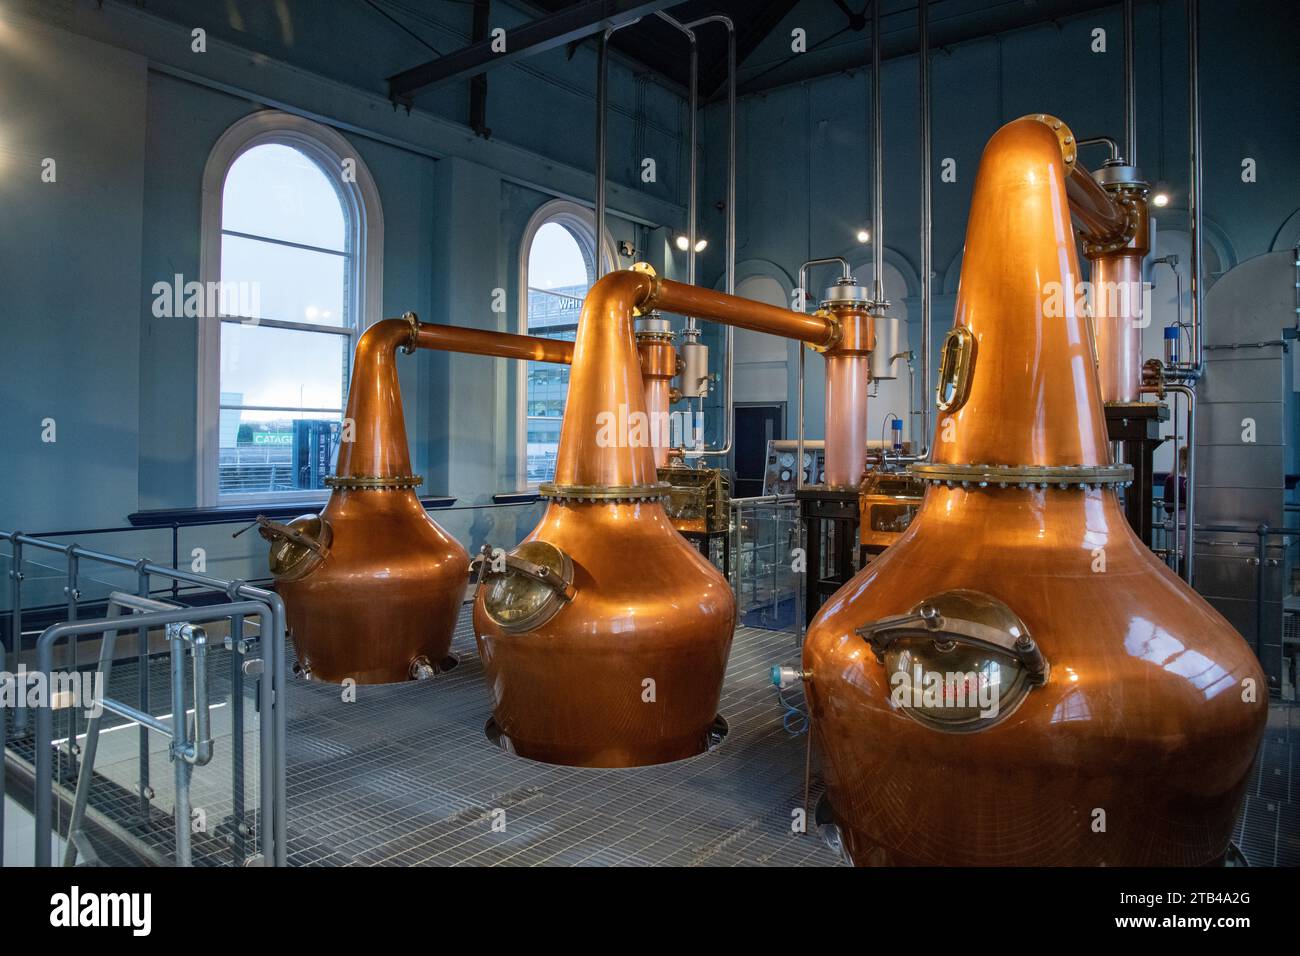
1018 680
605 635
372 586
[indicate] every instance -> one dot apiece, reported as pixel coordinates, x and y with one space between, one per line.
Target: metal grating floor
405 776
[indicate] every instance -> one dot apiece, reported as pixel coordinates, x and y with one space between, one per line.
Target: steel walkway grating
405 775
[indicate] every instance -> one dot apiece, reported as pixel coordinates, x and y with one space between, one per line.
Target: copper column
1110 207
372 585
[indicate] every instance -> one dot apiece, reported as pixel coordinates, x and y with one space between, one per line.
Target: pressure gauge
785 474
807 459
786 460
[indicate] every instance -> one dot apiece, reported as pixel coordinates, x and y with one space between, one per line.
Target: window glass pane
283 368
284 282
278 192
555 259
289 453
558 278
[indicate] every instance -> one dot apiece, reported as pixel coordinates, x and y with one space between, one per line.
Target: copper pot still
1018 680
372 585
604 635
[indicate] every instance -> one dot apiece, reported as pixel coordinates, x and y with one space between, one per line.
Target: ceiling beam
545 33
748 37
948 30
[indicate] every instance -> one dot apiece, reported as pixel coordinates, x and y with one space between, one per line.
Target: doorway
755 425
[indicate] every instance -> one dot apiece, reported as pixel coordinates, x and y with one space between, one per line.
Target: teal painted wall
131 115
805 166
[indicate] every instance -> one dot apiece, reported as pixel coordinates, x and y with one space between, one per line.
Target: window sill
516 497
230 514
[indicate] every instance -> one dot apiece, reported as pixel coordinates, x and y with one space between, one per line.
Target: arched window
292 244
559 266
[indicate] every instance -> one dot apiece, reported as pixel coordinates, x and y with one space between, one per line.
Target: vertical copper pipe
605 382
1114 230
658 361
847 383
379 448
1117 318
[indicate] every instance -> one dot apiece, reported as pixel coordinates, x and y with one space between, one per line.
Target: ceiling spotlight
683 243
1160 199
864 235
701 244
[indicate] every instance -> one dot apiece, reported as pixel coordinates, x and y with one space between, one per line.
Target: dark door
756 425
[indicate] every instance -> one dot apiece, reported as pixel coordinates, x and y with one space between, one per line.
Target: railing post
74 595
237 657
145 791
180 740
1260 560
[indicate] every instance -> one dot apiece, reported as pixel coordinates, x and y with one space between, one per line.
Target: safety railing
240 602
185 750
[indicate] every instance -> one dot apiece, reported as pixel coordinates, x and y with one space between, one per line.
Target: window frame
581 221
365 245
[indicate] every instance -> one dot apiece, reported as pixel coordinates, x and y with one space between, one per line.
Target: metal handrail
184 751
273 731
44 788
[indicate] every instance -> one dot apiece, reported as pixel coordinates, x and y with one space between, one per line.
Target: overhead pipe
602 105
927 230
1130 87
729 404
570 630
877 166
602 109
893 661
693 107
1106 141
372 585
1194 185
656 390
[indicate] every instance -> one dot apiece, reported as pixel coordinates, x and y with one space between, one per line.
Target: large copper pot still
604 635
372 586
1089 708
